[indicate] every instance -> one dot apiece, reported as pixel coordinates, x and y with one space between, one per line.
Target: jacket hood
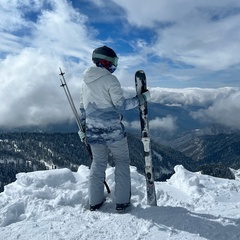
91 74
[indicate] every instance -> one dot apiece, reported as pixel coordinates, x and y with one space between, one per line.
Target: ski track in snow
53 204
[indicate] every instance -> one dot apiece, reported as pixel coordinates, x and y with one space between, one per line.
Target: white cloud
63 32
59 35
30 93
211 45
58 28
224 110
10 43
134 124
12 15
219 106
190 96
203 34
150 13
167 123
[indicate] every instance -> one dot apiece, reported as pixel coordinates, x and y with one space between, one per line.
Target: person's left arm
118 100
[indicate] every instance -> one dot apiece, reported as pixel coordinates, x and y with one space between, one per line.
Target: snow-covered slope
53 205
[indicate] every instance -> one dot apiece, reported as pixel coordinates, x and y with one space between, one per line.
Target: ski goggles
113 60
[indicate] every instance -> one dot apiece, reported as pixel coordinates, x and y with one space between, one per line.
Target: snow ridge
53 205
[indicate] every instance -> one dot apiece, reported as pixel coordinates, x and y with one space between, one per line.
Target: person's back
100 105
102 99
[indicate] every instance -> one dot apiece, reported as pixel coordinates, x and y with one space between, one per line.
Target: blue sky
179 43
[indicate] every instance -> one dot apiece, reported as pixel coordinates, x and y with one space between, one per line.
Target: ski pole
77 118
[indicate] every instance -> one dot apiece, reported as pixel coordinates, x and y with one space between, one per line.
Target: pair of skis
141 87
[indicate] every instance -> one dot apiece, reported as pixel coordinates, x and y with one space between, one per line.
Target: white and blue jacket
101 101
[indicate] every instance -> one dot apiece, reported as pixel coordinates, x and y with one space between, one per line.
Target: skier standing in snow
101 101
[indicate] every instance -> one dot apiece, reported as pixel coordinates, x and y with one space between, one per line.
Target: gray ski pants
120 153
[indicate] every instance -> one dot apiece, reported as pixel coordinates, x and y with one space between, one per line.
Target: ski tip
140 74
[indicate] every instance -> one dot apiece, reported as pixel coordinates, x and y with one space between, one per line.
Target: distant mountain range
210 145
24 152
198 146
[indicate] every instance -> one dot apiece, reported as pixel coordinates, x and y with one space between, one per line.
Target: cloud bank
194 45
225 111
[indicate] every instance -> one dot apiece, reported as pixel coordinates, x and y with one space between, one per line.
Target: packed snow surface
53 205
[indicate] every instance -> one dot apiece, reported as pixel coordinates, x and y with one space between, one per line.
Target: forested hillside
25 152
